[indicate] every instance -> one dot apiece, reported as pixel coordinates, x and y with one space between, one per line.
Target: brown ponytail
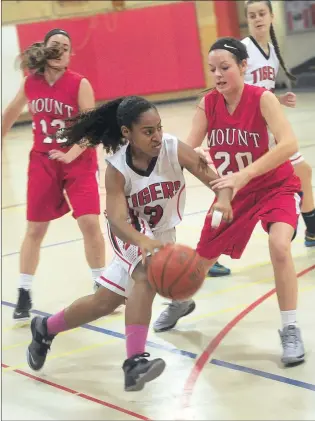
34 58
278 54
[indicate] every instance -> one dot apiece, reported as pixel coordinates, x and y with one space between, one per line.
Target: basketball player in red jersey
145 199
236 116
54 93
263 65
262 68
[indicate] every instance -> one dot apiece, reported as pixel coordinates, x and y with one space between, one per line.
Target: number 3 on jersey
59 124
155 212
243 159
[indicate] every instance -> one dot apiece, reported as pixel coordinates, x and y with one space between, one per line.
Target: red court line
205 355
80 395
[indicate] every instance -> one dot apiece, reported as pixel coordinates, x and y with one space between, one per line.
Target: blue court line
47 246
19 205
192 355
81 239
264 374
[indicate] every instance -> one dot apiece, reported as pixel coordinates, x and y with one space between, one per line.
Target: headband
224 44
56 31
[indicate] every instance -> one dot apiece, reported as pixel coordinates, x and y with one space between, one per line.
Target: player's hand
149 246
225 208
60 156
204 154
288 99
234 181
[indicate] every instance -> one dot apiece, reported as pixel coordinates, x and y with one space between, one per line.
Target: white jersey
158 194
261 69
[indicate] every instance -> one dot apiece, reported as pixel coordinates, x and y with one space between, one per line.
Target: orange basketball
176 272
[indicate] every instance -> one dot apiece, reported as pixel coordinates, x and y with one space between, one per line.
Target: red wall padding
140 51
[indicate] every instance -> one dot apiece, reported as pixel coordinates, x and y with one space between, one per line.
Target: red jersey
50 106
237 140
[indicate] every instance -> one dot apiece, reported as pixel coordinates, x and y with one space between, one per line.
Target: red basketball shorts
48 179
280 204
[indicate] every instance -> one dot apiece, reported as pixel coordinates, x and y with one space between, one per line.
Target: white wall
295 48
298 48
11 77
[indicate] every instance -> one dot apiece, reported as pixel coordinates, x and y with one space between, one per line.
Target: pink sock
56 323
136 337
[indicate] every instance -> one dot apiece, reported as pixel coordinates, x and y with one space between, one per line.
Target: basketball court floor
223 360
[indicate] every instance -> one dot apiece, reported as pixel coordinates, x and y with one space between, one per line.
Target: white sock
26 281
96 273
288 318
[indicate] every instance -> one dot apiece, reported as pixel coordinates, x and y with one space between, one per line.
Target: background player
236 117
145 198
55 93
263 65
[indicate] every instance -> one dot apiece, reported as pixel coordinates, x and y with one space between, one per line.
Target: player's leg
104 301
176 309
279 216
45 202
208 248
138 369
304 172
29 258
81 185
94 244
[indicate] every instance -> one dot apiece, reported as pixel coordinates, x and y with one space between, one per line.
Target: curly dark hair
103 124
273 38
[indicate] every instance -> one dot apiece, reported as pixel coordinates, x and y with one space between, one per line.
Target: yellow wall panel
131 4
25 11
207 32
83 7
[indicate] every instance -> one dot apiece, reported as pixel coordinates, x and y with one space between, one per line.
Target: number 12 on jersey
59 124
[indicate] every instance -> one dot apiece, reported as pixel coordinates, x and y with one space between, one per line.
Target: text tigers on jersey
48 105
156 191
263 73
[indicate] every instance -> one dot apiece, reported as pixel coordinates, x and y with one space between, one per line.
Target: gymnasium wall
155 49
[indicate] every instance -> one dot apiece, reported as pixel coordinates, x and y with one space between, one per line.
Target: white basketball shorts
117 277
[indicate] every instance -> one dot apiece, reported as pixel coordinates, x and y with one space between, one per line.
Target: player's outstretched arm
199 127
190 160
13 110
280 127
117 213
86 101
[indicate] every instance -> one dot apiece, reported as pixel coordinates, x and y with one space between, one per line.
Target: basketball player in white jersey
262 69
145 197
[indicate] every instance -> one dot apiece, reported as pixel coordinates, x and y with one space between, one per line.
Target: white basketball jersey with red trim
158 194
261 69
